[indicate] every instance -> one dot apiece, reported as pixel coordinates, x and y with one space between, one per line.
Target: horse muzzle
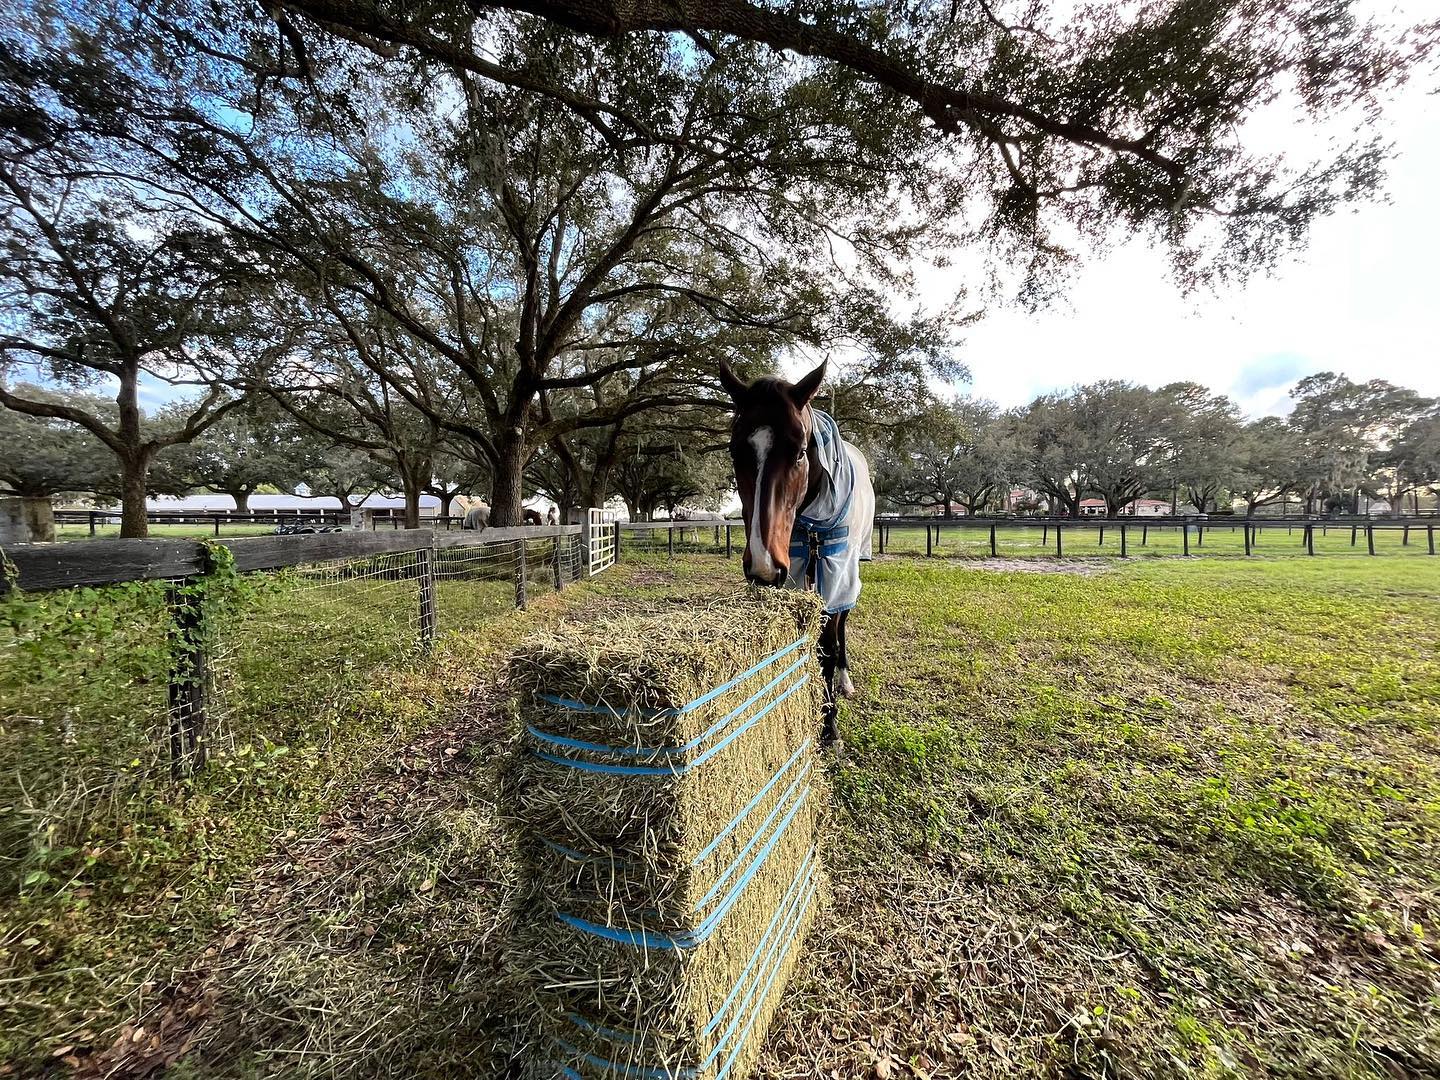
776 581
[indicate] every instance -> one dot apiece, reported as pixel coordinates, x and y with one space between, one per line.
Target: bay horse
802 488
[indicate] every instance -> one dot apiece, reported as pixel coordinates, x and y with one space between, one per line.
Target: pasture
1147 819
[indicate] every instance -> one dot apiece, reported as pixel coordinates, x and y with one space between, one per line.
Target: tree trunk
242 500
134 471
412 504
447 499
507 492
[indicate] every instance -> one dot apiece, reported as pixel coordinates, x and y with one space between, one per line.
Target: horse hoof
843 686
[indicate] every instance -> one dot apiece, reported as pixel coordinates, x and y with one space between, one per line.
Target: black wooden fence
996 536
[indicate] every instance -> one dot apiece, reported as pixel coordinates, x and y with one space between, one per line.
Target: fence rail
368 568
40 567
384 518
1127 531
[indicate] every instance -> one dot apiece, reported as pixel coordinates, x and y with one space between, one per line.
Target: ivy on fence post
425 557
520 598
195 605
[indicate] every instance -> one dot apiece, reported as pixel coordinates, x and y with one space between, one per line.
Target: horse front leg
844 687
829 650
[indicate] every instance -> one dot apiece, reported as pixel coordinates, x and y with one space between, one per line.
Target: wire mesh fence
109 692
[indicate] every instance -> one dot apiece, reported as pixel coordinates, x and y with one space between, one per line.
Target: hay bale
665 799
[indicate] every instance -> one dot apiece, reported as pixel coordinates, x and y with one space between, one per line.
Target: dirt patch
1082 567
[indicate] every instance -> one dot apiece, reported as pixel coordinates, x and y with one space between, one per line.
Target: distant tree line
1118 442
502 247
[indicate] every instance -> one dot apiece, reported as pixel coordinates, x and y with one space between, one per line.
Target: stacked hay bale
665 797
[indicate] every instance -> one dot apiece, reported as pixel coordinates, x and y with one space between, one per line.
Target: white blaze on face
762 565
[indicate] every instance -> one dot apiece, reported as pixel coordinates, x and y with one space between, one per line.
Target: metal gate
600 539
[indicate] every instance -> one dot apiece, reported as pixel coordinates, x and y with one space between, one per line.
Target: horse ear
733 384
804 390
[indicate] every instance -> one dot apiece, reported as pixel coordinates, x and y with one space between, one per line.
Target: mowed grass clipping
1178 818
1170 818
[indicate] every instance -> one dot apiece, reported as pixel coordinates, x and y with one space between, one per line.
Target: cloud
1360 300
1269 372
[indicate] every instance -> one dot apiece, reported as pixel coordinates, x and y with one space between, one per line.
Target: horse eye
800 458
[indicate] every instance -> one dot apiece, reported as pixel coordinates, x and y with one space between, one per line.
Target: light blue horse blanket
841 517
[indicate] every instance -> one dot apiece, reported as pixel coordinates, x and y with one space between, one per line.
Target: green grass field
1148 819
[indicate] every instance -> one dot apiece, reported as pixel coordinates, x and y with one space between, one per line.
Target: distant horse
477 517
532 517
800 482
686 513
552 517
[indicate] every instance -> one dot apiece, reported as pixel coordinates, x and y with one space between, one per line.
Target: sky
1363 299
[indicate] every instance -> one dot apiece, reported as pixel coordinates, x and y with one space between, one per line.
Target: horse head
772 447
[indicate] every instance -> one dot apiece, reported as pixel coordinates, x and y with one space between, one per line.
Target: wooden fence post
217 524
1370 537
425 566
993 551
1124 542
188 678
1145 534
615 556
1199 535
1405 536
1430 536
559 580
929 550
670 541
1309 538
1185 533
1354 533
520 570
1247 537
882 539
1102 535
1059 542
729 548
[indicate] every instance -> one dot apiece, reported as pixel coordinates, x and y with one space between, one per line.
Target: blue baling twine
646 751
775 812
709 848
678 769
690 938
581 857
703 699
769 954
